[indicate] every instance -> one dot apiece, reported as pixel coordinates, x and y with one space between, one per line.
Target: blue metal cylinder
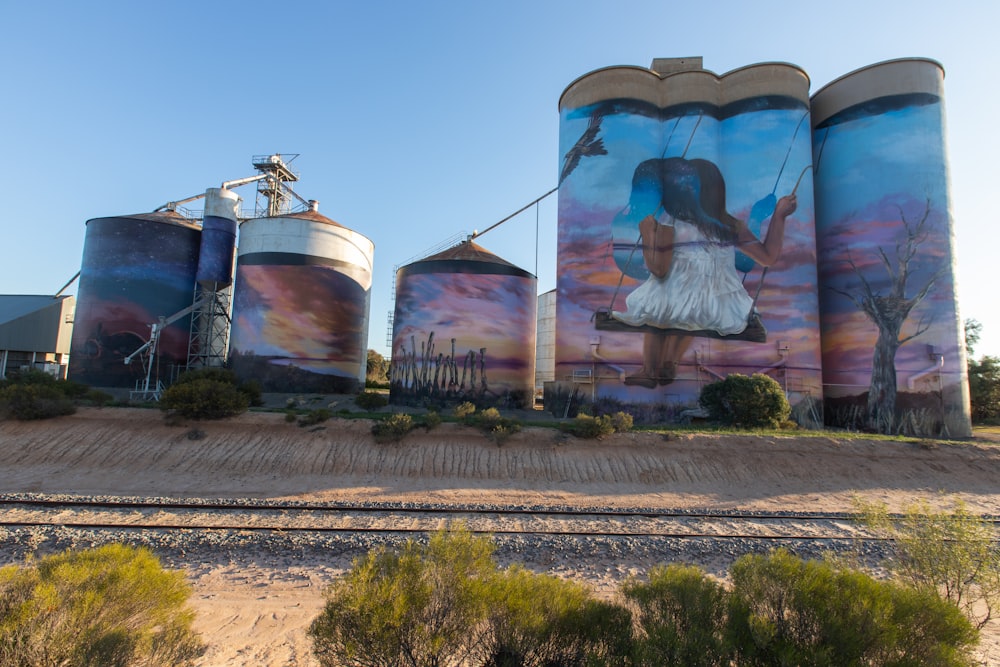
218 239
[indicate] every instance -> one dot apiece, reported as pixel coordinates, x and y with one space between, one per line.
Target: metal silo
135 270
218 239
893 348
300 304
464 330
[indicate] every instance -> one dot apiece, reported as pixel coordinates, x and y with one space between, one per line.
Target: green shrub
950 553
420 606
393 428
496 427
747 402
291 416
622 422
34 401
371 400
538 619
313 417
787 611
204 399
250 388
585 426
113 606
431 420
681 616
463 410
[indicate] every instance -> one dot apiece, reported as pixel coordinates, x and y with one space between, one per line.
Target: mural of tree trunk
889 313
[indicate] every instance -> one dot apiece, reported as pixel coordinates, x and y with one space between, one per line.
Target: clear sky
414 121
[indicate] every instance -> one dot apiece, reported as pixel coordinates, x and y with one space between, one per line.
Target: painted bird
587 146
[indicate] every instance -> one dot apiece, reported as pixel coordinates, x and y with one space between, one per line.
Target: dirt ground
251 613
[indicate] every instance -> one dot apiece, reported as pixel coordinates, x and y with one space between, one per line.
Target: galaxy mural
135 270
464 330
686 239
299 324
893 352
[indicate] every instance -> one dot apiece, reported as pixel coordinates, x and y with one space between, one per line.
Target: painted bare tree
889 311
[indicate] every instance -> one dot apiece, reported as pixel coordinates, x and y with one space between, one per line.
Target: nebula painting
297 326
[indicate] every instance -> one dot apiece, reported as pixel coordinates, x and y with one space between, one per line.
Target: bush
622 422
496 427
787 611
431 420
393 428
984 389
34 401
463 410
681 616
949 553
313 417
591 428
747 402
113 605
204 398
537 619
371 400
420 606
447 603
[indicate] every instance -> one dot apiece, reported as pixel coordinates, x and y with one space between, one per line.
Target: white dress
700 292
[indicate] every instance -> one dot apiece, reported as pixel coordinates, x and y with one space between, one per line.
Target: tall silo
464 330
686 234
135 270
893 352
210 321
301 303
545 340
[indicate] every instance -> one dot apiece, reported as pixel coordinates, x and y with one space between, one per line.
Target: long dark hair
690 190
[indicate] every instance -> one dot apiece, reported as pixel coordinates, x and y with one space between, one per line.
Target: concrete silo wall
134 271
301 304
893 349
464 331
664 176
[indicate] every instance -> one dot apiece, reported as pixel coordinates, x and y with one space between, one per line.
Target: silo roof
168 217
312 216
468 255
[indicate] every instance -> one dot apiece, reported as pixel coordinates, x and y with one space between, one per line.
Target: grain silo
893 352
464 330
135 270
300 304
686 234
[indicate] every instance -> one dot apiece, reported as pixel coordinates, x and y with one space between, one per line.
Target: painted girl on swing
689 243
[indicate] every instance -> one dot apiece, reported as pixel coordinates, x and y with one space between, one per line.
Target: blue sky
414 121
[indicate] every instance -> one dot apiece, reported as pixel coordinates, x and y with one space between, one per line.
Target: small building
35 332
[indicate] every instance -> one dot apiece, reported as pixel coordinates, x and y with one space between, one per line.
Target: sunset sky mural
760 148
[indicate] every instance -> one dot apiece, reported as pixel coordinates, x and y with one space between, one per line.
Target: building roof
15 306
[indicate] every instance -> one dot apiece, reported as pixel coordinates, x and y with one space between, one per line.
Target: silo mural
300 304
135 269
464 330
686 234
893 353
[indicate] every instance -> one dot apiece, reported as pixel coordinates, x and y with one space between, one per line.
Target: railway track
409 519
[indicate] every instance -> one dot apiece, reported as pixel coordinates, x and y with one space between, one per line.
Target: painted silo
893 352
218 239
464 330
300 304
135 269
686 244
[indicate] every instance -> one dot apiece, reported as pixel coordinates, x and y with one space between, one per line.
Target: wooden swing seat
754 332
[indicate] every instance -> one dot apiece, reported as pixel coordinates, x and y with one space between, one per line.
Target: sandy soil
254 611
